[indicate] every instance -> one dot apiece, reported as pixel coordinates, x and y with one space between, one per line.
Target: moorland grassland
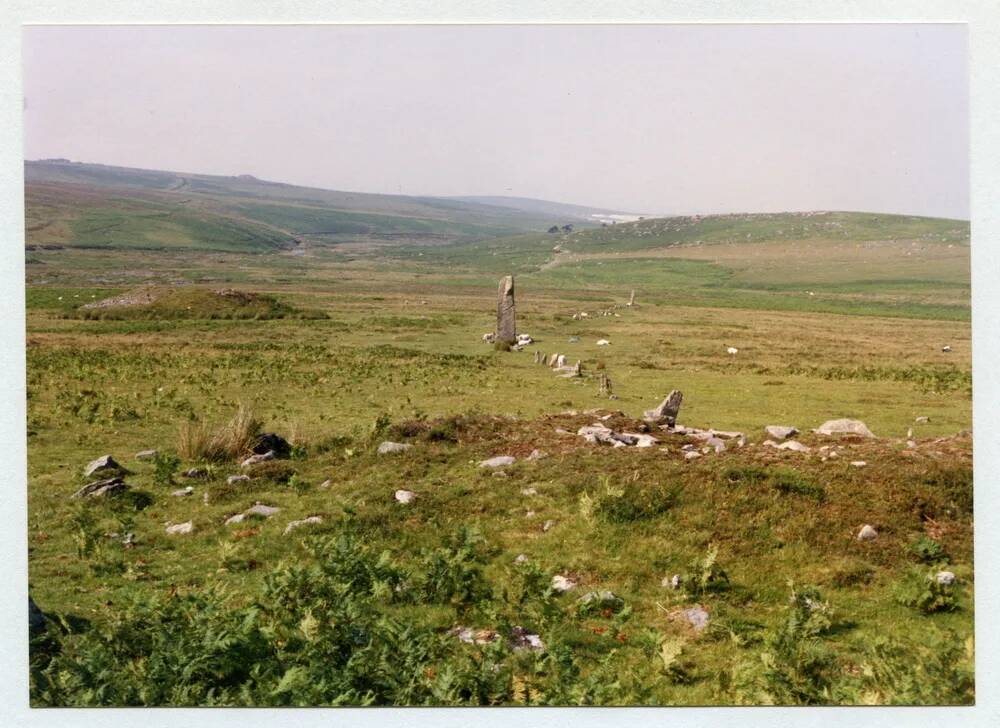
371 338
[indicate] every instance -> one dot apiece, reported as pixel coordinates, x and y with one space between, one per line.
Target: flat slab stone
404 496
147 454
105 462
100 488
180 528
844 427
261 458
391 448
498 462
794 445
259 509
780 432
292 525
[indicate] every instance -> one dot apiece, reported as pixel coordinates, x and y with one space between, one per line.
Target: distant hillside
93 205
571 213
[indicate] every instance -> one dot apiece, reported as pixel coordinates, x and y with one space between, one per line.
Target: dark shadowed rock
270 442
99 488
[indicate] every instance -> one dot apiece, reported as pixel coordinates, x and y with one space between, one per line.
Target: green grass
400 357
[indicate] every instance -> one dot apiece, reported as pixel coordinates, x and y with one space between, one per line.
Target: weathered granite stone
506 327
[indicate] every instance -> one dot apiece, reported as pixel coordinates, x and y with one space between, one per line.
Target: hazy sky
652 118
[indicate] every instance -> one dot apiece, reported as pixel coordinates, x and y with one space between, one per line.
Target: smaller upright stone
667 410
631 299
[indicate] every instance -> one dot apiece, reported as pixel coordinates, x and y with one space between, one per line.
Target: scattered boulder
945 578
238 518
536 455
497 462
844 427
292 525
922 420
180 528
105 462
671 582
858 463
667 410
946 349
732 351
195 473
325 484
780 432
147 454
561 583
99 488
529 491
183 492
270 442
692 455
234 479
521 559
603 342
474 636
867 533
548 525
391 448
574 340
259 458
793 445
405 496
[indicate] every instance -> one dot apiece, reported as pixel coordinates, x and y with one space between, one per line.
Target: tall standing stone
506 330
631 298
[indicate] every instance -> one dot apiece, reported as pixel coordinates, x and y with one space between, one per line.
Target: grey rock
692 455
238 518
497 462
574 339
260 458
667 411
259 509
183 492
780 432
537 455
292 525
844 427
794 445
548 525
180 528
99 488
922 420
867 533
506 326
147 454
325 484
529 491
716 444
105 462
233 479
858 463
195 473
521 559
391 448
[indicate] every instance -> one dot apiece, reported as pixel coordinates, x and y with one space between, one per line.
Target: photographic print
498 365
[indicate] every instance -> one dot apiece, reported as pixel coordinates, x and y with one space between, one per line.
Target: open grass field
834 316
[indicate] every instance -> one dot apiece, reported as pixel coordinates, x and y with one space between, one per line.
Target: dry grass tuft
229 442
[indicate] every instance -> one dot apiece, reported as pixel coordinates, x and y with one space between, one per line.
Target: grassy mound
161 303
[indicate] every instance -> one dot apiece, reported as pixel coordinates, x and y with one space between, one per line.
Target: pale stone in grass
780 432
292 525
867 533
233 479
794 445
717 444
537 455
845 427
261 458
183 492
696 617
521 559
858 463
392 448
259 509
404 496
497 462
692 455
180 528
147 454
195 473
522 639
561 583
945 578
105 462
99 488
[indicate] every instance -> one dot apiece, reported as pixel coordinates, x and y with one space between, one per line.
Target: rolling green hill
91 205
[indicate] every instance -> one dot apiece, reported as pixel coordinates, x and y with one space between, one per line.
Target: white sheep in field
732 351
